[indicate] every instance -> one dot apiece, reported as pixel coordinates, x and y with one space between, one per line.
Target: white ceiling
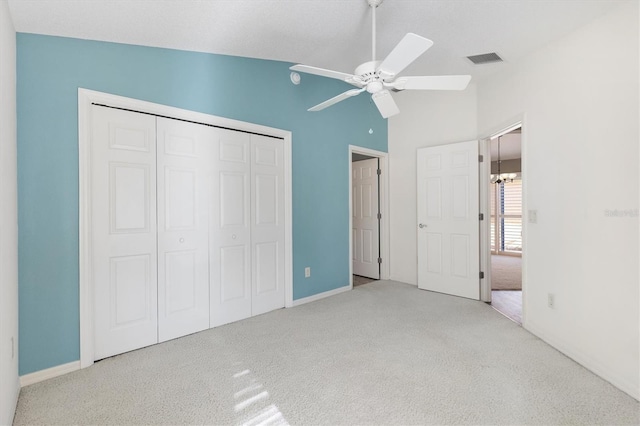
510 146
334 34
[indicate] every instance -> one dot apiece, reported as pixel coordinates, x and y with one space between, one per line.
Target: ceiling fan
379 77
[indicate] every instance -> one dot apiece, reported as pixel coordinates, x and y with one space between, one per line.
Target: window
506 217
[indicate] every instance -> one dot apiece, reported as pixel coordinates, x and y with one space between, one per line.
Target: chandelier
502 177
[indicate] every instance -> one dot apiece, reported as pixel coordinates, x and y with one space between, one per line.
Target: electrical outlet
533 216
307 272
551 300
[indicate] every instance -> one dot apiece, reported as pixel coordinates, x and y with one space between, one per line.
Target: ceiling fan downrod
374 5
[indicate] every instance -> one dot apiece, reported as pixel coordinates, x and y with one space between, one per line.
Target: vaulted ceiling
333 34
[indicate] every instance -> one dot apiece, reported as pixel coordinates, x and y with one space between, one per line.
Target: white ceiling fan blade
407 51
336 99
435 82
385 103
349 78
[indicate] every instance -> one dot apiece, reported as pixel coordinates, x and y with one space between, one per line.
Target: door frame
485 200
383 190
85 100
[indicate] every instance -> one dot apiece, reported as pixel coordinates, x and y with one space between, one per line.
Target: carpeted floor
384 353
506 272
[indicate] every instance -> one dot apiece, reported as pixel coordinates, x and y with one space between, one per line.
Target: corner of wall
9 382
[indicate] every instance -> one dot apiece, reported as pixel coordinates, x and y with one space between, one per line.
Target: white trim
384 209
84 223
85 99
48 373
322 295
485 225
524 174
288 220
505 127
506 130
622 383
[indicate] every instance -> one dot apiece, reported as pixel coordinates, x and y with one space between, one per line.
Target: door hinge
379 172
379 216
379 260
481 275
481 216
481 158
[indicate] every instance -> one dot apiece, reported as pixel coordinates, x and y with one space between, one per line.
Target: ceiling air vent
485 58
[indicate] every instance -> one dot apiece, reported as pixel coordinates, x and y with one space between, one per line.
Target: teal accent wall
51 69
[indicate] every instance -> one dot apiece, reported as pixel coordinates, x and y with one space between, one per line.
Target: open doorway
365 218
380 251
505 190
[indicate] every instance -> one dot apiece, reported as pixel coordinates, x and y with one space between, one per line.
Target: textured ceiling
333 34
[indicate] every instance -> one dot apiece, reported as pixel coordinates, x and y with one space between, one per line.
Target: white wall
9 385
426 119
579 98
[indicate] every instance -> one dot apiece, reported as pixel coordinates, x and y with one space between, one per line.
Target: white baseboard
49 373
625 384
319 296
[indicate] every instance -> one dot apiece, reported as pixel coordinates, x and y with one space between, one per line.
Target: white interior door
366 233
448 223
184 171
230 224
267 224
123 228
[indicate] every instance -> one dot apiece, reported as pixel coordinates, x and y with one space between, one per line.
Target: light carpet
384 353
506 272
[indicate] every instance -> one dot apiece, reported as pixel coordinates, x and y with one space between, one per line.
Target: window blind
506 217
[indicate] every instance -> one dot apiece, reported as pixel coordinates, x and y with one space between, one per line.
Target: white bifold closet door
247 226
124 232
230 243
267 224
184 171
150 200
187 228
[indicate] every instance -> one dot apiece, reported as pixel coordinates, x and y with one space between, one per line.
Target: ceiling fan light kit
379 78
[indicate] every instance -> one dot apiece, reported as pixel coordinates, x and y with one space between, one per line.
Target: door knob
422 225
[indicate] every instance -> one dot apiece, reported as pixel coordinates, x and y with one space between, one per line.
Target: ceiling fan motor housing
369 77
367 71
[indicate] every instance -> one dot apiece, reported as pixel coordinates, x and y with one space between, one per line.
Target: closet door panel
233 273
184 170
267 224
123 230
230 242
